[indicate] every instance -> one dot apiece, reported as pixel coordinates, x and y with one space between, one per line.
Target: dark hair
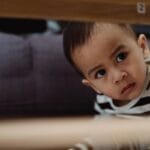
77 33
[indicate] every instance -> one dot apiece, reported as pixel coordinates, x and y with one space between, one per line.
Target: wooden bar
84 10
60 134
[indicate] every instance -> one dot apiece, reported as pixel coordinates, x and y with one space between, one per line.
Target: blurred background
35 78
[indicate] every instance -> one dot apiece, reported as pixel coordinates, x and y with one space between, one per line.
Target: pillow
15 56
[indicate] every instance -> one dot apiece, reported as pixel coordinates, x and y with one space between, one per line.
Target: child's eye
100 73
121 56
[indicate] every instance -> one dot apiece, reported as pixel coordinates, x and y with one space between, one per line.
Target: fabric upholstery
36 79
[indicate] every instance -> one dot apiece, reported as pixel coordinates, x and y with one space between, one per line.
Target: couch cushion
15 56
36 79
17 86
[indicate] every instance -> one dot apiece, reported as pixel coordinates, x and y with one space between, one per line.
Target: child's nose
118 76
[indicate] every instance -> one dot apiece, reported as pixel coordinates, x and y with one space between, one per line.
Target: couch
36 79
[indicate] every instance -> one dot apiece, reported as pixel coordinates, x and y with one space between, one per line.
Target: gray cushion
36 79
15 56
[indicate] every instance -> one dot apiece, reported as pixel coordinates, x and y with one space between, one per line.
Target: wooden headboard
131 11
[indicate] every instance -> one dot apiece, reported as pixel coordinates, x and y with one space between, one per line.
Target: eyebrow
113 53
93 69
116 50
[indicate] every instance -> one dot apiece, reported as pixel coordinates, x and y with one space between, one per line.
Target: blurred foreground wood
60 134
131 11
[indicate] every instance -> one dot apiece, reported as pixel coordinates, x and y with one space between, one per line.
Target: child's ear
89 84
85 82
143 43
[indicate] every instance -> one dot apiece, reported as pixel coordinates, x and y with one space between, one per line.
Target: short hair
77 33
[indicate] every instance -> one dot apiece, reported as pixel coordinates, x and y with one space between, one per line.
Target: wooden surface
62 133
101 10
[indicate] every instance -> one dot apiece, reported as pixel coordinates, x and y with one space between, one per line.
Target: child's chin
131 96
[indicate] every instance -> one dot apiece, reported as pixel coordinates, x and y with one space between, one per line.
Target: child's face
113 63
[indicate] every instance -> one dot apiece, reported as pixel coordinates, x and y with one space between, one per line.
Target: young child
114 63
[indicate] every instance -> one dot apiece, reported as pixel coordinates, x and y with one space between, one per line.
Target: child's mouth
128 88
